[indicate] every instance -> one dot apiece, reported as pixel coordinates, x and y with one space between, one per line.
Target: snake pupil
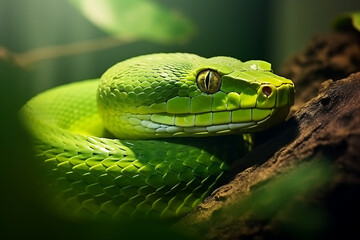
207 80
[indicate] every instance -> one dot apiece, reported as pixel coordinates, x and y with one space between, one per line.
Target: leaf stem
50 52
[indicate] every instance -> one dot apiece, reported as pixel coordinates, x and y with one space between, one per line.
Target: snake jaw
271 107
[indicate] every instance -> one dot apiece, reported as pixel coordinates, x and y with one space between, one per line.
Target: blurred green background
259 29
48 33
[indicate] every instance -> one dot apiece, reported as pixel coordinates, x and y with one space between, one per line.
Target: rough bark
325 129
334 56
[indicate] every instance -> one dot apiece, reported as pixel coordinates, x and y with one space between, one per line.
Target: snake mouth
260 122
181 124
241 120
217 114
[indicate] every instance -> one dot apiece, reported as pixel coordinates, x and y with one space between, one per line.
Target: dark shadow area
267 143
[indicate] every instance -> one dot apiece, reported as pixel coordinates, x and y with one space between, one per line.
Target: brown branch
50 52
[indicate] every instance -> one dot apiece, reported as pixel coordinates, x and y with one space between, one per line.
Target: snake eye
208 81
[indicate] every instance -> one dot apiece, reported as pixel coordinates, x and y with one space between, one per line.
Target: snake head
167 95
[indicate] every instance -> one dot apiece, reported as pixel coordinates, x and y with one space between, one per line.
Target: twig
44 53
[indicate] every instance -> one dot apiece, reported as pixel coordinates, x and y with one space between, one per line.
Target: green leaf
347 21
136 19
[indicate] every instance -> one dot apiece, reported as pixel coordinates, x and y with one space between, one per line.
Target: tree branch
50 52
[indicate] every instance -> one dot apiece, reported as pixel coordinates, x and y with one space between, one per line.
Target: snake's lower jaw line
221 129
273 117
260 120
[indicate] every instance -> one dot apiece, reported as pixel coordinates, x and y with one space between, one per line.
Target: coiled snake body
106 143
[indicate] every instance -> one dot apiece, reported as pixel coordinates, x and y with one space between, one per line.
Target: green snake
129 144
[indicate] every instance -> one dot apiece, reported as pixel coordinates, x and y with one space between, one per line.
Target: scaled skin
95 174
157 96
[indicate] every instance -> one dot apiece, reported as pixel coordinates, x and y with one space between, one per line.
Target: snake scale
129 144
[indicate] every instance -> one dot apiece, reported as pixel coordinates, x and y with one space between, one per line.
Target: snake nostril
266 90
